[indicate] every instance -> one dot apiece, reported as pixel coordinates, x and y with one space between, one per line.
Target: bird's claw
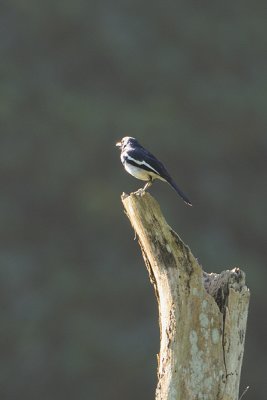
140 192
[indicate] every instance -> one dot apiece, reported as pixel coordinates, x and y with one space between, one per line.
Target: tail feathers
181 194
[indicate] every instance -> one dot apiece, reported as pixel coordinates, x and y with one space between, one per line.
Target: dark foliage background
78 315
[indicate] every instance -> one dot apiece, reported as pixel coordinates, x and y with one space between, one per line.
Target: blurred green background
78 314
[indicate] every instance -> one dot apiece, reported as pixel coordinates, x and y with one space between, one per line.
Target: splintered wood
202 316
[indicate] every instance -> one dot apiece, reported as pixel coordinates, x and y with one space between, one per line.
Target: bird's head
126 141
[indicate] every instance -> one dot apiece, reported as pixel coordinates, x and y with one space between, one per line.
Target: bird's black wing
142 158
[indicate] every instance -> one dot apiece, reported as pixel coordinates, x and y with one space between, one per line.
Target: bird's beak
118 144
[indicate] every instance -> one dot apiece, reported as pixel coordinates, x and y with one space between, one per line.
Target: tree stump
202 316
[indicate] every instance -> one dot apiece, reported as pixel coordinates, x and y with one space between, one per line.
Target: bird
143 165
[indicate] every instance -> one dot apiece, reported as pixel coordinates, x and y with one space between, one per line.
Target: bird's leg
142 191
147 185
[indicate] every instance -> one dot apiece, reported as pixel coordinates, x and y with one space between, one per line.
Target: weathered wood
202 316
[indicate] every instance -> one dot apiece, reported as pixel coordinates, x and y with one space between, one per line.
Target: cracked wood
202 316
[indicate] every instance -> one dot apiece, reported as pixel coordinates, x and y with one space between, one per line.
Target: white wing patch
142 163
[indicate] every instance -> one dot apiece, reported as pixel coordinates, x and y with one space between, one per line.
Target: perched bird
140 163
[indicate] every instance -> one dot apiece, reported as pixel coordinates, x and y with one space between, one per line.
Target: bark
202 316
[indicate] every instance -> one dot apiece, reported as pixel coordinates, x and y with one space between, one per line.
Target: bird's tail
181 194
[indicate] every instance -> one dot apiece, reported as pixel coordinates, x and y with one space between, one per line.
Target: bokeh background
78 314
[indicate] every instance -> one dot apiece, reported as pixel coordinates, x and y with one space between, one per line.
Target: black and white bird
140 163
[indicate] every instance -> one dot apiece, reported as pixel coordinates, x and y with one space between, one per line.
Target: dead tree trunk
202 316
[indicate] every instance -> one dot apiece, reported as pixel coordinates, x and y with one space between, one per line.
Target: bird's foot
140 192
